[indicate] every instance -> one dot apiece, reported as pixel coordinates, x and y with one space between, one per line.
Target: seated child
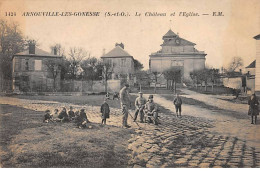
63 116
82 119
71 113
47 116
56 114
104 109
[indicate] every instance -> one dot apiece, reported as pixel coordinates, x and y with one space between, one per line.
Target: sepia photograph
129 84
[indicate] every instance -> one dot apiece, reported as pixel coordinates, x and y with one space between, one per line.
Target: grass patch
27 142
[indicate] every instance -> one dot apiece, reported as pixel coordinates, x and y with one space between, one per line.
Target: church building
177 52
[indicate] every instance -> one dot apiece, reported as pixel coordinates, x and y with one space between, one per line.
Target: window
38 65
123 62
16 64
27 65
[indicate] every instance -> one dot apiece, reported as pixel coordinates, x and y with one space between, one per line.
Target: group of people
143 107
79 117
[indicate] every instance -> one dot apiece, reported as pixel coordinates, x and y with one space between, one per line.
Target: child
63 116
71 113
104 109
82 119
55 115
47 116
177 102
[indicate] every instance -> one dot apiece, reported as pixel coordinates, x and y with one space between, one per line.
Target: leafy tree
54 67
107 70
214 75
156 75
76 55
173 74
90 70
11 42
200 76
142 78
138 65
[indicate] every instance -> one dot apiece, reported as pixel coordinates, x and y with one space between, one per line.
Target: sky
220 37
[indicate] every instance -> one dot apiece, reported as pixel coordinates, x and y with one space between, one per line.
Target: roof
252 65
38 52
257 37
170 33
182 42
117 52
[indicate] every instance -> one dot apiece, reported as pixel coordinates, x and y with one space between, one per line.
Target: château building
177 52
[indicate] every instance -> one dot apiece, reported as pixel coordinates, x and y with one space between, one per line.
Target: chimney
31 48
121 45
55 50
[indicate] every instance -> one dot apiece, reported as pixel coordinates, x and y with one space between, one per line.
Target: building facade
30 72
257 64
121 64
177 52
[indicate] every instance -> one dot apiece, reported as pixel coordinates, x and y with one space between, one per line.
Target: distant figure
253 107
139 105
82 119
115 96
71 113
107 96
63 116
47 116
125 104
177 102
104 109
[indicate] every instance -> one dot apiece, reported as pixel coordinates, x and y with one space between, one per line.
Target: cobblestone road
176 142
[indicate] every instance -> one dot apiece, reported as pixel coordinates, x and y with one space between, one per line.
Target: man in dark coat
104 109
253 107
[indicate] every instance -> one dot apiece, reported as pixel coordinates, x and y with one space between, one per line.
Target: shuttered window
38 65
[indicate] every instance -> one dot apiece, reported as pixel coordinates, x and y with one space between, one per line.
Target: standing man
253 107
139 105
125 103
177 102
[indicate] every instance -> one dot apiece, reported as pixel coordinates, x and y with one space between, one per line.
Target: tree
90 70
172 74
214 75
200 76
142 78
107 69
235 64
76 55
53 66
11 42
156 75
138 65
